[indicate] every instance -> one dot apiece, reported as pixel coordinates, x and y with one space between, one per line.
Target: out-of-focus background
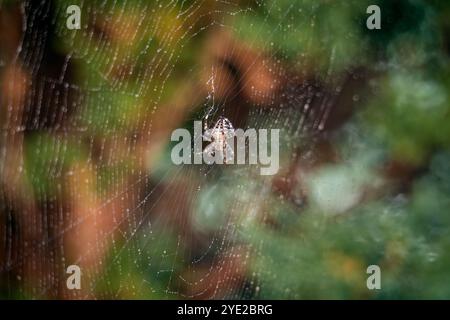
86 176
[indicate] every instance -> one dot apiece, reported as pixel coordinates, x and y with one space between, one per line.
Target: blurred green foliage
47 158
323 255
148 271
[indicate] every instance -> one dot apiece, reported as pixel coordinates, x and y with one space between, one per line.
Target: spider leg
207 136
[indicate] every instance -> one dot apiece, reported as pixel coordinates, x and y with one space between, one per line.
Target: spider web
85 160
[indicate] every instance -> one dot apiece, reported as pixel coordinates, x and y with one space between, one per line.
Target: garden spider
219 135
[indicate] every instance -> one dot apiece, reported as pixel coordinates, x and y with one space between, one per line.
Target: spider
219 135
